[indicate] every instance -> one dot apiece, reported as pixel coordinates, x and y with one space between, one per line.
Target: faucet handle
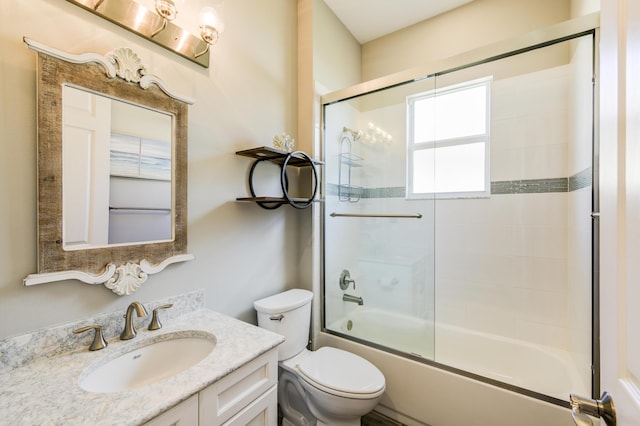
155 320
98 341
345 280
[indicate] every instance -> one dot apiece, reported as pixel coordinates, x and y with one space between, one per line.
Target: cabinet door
224 399
261 412
183 414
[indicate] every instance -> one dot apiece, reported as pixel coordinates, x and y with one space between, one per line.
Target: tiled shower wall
501 263
515 264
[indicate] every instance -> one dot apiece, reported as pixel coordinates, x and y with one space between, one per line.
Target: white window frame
413 147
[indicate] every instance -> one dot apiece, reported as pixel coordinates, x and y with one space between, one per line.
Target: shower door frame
587 25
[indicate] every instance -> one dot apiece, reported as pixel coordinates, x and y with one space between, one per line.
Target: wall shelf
280 200
277 156
283 159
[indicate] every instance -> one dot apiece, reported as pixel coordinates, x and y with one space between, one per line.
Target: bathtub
509 365
401 332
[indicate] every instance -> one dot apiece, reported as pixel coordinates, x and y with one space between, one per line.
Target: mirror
86 186
116 174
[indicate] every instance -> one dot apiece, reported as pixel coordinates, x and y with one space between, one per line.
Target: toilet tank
288 314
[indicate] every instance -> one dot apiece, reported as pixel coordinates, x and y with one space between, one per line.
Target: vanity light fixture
211 26
160 25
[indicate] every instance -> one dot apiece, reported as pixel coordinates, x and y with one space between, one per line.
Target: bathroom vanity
246 396
235 384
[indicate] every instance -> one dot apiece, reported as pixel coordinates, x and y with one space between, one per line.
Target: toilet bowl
325 387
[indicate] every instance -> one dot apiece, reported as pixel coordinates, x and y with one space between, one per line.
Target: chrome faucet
354 299
129 331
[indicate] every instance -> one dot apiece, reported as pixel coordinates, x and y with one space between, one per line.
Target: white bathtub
541 369
401 332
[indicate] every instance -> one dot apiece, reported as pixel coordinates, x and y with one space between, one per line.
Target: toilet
324 387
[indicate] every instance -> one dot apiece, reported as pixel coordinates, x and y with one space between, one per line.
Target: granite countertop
45 391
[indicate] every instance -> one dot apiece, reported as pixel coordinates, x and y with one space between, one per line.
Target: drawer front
183 414
261 412
225 398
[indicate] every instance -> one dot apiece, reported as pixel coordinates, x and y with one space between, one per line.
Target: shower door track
446 367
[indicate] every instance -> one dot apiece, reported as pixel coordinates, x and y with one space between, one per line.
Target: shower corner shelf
346 190
351 159
283 159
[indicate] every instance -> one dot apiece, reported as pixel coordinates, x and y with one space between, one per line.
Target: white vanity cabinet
246 396
183 414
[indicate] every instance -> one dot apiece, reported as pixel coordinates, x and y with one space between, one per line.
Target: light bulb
211 24
167 9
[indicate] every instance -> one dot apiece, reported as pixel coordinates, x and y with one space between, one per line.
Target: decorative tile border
580 180
530 186
385 192
391 192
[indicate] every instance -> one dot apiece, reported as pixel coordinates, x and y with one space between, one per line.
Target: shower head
355 134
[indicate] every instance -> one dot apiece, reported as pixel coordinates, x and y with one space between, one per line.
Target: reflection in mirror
116 171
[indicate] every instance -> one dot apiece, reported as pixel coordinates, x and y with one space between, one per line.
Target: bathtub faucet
354 299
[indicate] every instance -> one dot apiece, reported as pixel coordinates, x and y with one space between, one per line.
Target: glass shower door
378 246
457 221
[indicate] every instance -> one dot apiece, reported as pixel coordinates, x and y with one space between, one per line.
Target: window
448 141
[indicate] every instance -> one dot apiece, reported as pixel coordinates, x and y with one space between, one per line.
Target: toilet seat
341 373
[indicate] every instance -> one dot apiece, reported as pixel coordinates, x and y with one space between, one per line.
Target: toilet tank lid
283 302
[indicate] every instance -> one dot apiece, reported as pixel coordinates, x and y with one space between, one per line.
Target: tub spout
354 299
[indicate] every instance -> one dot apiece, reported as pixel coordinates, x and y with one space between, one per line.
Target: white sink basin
158 359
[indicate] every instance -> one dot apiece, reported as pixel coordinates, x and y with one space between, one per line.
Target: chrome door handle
603 408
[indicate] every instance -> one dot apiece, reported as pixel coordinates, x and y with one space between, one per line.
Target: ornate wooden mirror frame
121 75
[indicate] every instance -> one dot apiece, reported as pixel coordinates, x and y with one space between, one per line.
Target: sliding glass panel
372 232
513 269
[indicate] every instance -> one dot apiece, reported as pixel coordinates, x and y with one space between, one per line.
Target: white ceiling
370 19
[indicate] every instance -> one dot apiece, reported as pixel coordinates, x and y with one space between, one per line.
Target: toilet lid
341 371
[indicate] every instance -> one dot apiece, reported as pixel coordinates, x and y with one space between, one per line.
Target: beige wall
584 7
337 54
473 25
245 97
